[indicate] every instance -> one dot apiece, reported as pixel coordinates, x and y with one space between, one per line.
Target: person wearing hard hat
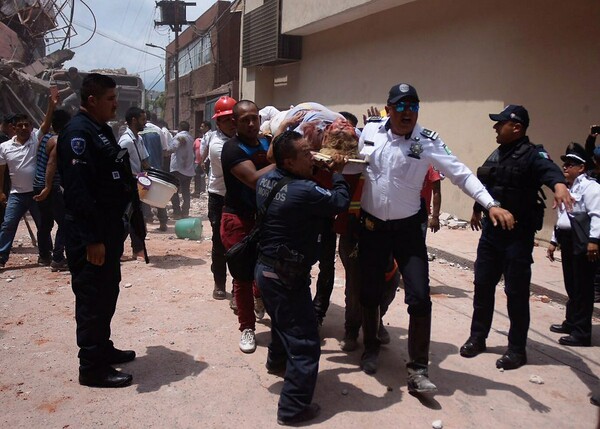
213 145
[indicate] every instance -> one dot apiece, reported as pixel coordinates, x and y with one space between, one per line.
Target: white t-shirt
20 160
136 149
216 182
182 158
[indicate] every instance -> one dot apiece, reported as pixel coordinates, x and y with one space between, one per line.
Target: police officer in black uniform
98 187
513 175
289 246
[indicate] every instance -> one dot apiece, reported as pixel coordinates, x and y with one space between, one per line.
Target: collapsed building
28 30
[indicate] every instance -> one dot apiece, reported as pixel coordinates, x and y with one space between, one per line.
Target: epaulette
433 135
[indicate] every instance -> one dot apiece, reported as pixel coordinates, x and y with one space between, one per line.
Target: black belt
372 223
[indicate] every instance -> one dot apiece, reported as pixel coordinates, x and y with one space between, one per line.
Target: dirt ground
189 372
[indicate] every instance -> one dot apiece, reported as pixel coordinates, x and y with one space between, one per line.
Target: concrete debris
437 424
127 285
446 216
456 224
536 379
545 299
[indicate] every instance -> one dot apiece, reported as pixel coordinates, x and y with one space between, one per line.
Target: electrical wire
94 30
109 37
69 24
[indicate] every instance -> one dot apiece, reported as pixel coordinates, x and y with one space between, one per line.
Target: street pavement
189 372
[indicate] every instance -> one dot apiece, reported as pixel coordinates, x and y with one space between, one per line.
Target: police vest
508 179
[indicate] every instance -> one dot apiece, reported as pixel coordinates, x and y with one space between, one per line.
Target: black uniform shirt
96 176
294 217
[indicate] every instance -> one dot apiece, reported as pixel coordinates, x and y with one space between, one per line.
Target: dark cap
512 113
575 154
401 91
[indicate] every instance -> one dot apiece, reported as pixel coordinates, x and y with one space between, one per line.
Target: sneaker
420 383
259 308
248 341
219 292
61 265
44 262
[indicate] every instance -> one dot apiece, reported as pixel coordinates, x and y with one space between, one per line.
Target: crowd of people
298 184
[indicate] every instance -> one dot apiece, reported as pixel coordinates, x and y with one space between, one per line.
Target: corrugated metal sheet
263 43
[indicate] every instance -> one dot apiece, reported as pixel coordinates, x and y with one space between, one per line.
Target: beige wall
467 58
309 16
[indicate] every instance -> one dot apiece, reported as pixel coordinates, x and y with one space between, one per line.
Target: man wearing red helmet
213 144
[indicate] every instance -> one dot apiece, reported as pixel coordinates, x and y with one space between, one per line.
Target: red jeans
233 230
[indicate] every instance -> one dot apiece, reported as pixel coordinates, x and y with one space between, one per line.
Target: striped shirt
39 180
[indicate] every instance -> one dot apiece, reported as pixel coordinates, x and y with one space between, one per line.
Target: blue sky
130 23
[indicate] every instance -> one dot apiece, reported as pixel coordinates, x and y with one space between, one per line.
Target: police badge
78 145
416 149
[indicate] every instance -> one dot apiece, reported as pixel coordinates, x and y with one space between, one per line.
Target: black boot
370 325
419 332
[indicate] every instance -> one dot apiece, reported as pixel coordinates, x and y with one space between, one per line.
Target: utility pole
173 14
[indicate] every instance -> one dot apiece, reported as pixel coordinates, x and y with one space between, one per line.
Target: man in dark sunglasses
399 152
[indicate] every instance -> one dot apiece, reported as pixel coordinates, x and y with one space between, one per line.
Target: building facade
467 58
209 52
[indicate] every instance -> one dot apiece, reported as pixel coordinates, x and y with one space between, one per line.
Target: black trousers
403 240
578 273
348 250
324 287
96 290
501 253
52 209
294 338
218 265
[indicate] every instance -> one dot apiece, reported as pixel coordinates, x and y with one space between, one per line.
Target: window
193 56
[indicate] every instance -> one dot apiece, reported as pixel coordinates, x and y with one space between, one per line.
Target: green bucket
190 227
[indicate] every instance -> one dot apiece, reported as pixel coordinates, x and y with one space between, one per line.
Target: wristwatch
492 204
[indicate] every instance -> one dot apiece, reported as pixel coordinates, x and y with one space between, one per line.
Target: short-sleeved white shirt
136 149
20 160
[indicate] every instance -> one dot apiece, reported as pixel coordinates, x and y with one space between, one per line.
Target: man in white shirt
213 144
19 155
182 166
138 158
399 152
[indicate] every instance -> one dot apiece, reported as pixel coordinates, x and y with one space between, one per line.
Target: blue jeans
16 207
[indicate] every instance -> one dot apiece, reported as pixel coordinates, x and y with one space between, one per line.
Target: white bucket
158 194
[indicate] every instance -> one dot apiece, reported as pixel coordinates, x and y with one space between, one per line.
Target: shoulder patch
369 143
433 135
447 149
323 191
78 145
544 154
